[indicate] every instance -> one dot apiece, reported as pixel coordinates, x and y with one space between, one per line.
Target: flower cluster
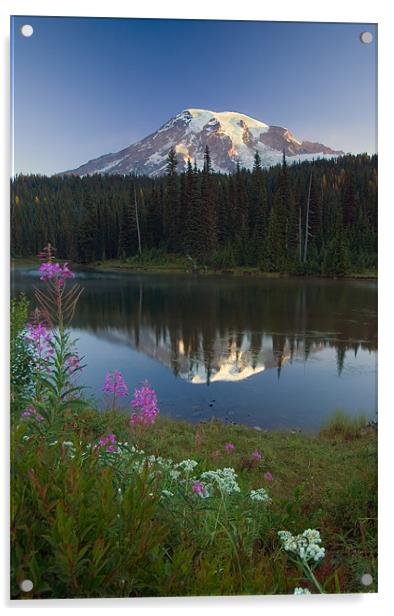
145 407
41 339
256 456
229 446
225 479
114 384
109 443
56 272
30 411
187 465
199 488
73 364
305 546
259 495
301 591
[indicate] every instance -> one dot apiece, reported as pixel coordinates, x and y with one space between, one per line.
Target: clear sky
83 87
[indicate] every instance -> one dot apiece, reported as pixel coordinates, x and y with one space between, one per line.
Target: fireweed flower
268 476
198 488
145 406
73 364
229 446
114 384
40 339
108 443
56 272
256 455
30 411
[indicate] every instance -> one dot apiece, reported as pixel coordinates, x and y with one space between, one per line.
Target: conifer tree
171 204
87 233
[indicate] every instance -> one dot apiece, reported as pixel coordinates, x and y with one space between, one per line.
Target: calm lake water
274 353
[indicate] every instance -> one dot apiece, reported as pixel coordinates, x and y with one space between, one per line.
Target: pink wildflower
56 272
30 411
229 446
108 443
41 340
73 364
198 488
145 406
256 455
115 385
268 476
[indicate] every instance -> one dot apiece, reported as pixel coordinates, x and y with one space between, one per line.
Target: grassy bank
175 264
90 523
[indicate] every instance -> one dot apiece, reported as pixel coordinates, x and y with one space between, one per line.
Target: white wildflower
305 546
223 478
187 465
301 591
260 495
174 474
167 493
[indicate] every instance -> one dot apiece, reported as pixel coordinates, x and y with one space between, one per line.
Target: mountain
231 137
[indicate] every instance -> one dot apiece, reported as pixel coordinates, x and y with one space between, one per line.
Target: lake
274 353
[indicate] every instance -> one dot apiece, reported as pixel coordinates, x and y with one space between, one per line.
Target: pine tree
258 210
171 204
208 210
87 233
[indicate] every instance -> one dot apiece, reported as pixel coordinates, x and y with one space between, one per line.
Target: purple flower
229 446
56 272
41 340
145 406
109 443
256 455
268 476
114 384
30 411
73 364
198 488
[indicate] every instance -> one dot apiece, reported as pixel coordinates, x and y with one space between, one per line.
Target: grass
157 262
342 426
73 537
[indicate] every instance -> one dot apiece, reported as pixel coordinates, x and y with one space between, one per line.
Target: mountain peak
232 137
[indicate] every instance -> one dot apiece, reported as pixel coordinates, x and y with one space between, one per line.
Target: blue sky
83 87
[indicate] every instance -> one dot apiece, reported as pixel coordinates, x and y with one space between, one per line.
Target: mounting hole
27 30
366 37
26 585
366 579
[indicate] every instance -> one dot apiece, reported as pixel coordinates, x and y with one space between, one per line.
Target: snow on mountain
231 137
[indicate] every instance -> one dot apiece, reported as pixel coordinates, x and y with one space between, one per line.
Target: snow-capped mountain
231 137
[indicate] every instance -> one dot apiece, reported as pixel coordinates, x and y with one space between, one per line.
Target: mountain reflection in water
216 329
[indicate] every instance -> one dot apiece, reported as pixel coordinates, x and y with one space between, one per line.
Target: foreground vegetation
108 505
118 524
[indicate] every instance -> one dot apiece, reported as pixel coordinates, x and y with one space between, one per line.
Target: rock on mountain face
231 137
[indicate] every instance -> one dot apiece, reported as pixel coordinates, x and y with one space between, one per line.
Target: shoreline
239 272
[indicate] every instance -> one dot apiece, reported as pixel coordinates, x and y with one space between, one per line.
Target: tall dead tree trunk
137 221
307 220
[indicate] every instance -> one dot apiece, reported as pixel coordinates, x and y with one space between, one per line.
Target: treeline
311 217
